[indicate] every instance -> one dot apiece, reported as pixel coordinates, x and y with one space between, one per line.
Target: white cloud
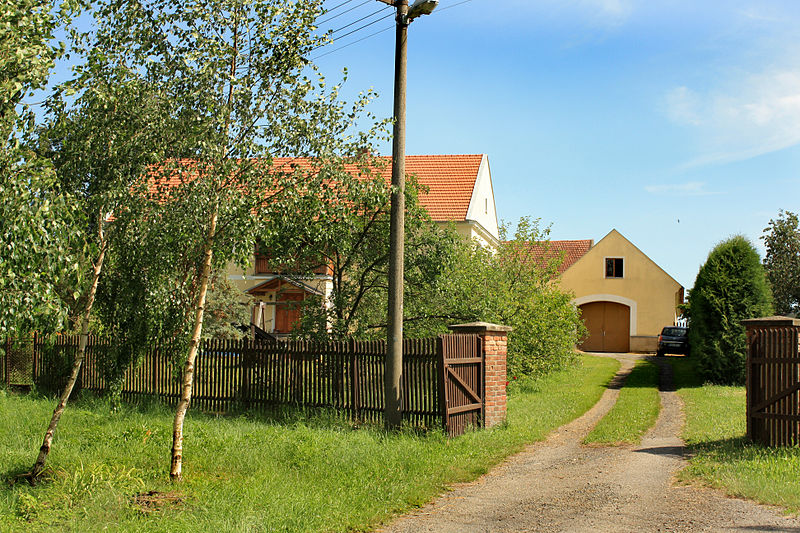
692 188
747 117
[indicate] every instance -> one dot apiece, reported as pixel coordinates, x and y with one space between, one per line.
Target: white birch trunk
44 450
175 472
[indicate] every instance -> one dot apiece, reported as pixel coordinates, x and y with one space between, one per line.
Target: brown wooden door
593 317
608 324
287 311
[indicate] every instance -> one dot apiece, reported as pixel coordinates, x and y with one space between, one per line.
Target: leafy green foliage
782 262
346 228
226 308
229 88
37 220
448 281
516 286
731 286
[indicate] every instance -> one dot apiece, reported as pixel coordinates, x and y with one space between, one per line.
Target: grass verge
722 457
634 413
108 471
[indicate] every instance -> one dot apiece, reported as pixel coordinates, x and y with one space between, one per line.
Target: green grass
302 473
722 457
634 413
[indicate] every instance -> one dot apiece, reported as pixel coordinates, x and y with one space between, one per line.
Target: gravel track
561 485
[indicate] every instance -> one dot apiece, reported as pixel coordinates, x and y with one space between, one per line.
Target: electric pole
393 373
394 345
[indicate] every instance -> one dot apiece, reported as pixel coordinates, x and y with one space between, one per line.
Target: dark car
673 339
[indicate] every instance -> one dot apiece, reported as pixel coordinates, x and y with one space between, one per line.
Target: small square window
613 267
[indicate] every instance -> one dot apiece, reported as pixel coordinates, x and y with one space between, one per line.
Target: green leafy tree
516 286
731 286
447 281
345 227
227 310
104 129
782 261
239 91
37 220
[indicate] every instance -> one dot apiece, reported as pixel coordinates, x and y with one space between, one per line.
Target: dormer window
614 267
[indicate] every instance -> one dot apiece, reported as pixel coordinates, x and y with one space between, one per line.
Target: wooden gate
462 382
608 325
773 381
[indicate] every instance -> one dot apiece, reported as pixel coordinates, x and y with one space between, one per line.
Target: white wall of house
481 208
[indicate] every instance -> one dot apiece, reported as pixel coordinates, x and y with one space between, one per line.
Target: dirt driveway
560 485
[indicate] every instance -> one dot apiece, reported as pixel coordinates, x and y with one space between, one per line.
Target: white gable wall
481 208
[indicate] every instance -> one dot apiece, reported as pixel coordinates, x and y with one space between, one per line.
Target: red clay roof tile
571 251
449 180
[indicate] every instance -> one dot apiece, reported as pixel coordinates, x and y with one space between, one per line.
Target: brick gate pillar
494 339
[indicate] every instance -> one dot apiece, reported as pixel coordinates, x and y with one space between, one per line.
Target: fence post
355 392
35 366
7 364
245 362
442 381
494 339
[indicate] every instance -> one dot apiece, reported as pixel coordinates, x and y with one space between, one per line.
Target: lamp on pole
394 345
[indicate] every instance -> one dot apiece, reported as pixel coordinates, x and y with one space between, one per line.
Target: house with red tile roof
625 298
567 252
457 190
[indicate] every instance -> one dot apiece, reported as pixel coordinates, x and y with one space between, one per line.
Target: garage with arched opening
608 325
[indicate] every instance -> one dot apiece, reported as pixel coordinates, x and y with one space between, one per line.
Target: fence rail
773 381
441 386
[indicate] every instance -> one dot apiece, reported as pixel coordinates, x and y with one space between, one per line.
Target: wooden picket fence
773 381
346 376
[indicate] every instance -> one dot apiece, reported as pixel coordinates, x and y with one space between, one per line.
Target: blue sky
675 122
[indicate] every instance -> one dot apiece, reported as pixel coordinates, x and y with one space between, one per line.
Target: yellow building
625 298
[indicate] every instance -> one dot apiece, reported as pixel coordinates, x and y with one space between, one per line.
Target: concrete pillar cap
480 327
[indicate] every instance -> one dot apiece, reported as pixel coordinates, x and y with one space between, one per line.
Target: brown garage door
608 324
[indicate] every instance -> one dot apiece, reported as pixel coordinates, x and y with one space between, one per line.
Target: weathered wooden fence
443 377
17 368
773 381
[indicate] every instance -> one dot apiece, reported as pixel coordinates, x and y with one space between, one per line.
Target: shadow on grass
737 450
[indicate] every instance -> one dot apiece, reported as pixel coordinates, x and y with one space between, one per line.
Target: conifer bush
731 286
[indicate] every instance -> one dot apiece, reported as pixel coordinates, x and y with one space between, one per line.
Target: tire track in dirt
560 485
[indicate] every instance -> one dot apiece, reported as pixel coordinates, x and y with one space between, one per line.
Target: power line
354 42
366 26
334 8
354 31
343 12
359 20
454 5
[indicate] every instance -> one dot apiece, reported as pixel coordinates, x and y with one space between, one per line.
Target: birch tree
102 133
239 91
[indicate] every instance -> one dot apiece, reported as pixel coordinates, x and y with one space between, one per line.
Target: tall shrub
730 287
515 286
